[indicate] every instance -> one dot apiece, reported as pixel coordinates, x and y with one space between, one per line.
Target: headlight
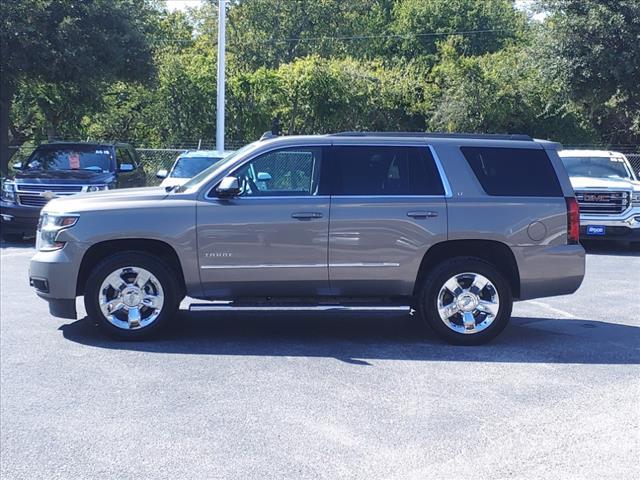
8 192
49 226
97 188
635 199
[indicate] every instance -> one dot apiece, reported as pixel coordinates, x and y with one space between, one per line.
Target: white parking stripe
555 310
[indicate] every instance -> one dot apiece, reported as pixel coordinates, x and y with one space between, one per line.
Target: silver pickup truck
453 228
608 192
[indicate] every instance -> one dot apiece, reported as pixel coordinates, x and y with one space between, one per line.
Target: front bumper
54 276
19 219
624 227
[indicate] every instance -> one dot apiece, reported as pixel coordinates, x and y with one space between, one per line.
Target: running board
227 307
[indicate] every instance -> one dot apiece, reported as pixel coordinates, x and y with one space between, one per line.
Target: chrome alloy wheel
131 298
468 303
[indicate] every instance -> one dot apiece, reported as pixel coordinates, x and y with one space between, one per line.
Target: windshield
71 157
208 171
597 167
187 167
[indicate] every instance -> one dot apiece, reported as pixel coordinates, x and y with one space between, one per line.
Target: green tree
186 94
128 113
490 25
594 47
500 92
77 47
272 32
137 111
318 95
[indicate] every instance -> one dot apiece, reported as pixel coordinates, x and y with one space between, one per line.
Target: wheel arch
101 250
494 252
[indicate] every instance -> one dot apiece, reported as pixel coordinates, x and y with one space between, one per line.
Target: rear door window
513 172
383 171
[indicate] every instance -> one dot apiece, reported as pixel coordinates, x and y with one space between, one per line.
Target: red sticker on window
74 161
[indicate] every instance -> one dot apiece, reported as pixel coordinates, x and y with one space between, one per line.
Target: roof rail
486 136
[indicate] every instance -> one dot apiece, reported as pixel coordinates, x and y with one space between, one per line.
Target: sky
182 4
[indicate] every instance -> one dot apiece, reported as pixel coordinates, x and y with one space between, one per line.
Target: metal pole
221 81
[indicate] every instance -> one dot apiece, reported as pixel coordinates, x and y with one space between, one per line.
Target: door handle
306 215
421 214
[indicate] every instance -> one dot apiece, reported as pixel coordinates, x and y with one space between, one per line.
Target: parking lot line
551 309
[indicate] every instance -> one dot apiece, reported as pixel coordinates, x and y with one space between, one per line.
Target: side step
230 307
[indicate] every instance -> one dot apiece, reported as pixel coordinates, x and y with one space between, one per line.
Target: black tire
434 281
163 273
12 237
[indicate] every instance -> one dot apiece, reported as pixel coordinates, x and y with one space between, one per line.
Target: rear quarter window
513 172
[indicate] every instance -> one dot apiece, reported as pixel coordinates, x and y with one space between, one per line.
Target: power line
400 36
357 37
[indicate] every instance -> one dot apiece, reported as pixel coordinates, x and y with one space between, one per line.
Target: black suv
59 169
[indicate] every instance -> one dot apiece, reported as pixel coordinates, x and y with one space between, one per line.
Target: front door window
282 173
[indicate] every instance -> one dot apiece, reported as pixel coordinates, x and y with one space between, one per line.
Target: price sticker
74 161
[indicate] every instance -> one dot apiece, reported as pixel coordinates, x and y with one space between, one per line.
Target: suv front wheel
466 301
131 295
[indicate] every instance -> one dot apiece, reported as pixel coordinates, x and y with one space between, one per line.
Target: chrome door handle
306 215
420 214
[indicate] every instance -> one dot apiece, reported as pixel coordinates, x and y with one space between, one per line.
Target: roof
394 139
205 153
589 153
71 142
474 136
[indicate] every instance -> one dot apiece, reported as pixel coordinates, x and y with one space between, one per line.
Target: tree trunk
6 97
52 132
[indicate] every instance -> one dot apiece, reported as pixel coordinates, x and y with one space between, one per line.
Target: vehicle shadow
359 339
22 244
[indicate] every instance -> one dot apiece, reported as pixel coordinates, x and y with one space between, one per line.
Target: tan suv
447 225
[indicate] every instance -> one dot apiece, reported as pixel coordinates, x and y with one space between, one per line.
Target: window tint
72 157
287 172
597 167
385 171
187 167
124 156
134 157
513 172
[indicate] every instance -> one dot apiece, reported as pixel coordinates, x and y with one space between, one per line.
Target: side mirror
126 167
17 166
264 176
228 187
162 173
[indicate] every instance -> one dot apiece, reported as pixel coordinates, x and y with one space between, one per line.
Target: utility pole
222 16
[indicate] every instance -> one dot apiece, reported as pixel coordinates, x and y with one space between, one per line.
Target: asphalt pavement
322 396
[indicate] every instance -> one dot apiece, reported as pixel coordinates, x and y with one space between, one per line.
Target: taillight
573 221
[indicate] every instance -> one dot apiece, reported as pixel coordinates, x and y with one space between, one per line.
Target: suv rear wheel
131 295
466 301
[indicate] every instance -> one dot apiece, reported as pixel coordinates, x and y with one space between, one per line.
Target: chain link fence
151 159
634 159
154 159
